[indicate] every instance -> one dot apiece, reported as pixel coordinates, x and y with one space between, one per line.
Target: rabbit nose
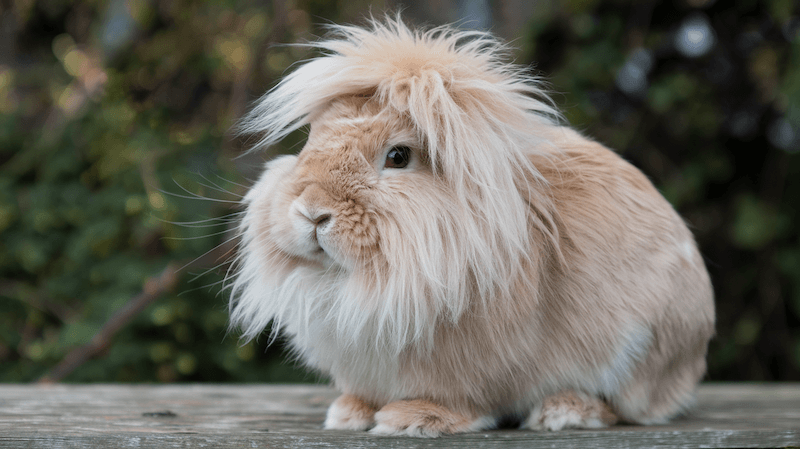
316 216
321 219
313 205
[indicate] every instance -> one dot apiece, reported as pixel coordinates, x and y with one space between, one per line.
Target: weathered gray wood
288 416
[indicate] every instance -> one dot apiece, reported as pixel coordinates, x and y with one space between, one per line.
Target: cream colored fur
513 260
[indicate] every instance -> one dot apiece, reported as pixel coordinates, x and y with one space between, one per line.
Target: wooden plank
290 416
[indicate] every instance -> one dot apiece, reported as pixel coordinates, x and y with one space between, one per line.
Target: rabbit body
450 254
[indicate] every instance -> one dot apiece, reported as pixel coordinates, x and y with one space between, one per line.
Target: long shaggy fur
511 260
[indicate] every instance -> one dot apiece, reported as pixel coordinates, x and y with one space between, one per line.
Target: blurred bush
704 97
116 158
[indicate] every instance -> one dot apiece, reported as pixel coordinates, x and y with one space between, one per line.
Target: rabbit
453 255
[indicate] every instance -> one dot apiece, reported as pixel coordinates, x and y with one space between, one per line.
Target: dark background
116 159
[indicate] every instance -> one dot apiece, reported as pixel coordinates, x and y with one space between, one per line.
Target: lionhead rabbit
450 254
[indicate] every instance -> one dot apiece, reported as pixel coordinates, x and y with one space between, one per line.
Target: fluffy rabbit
451 254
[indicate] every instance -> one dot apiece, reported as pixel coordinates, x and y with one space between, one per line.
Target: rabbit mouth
320 239
311 229
319 250
317 247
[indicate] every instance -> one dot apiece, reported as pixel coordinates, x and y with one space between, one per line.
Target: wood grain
290 416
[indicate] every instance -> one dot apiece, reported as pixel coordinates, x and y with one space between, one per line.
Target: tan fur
515 267
419 417
569 409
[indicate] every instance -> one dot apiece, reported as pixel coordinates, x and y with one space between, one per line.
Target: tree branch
153 288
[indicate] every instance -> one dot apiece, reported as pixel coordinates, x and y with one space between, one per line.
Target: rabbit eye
397 157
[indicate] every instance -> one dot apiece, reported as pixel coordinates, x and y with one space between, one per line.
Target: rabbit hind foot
570 410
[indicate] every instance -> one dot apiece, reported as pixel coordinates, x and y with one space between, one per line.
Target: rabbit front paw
348 412
421 418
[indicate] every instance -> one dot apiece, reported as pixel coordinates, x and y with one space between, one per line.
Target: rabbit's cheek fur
265 201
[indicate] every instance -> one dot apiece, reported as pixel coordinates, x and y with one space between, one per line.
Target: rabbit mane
481 119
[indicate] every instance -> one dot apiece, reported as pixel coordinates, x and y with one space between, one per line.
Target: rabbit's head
414 196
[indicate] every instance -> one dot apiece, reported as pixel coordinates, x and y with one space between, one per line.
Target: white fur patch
561 419
483 423
631 349
688 250
342 419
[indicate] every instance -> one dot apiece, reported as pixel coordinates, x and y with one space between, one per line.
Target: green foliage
114 127
116 160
